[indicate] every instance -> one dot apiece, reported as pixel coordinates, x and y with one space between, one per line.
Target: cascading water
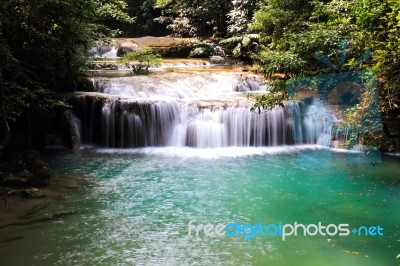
74 128
197 110
319 124
104 51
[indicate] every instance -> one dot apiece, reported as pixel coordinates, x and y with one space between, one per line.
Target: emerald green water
134 206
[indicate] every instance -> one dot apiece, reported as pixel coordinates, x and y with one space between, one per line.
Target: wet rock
32 193
126 49
217 59
125 46
14 192
34 161
41 177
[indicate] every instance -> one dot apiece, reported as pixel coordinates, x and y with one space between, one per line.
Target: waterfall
295 121
105 52
318 123
202 111
74 128
249 84
126 124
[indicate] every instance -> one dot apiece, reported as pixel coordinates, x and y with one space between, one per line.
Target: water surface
134 206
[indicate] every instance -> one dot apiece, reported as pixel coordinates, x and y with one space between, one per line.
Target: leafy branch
142 60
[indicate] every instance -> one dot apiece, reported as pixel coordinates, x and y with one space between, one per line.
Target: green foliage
193 18
201 51
143 12
114 9
43 46
280 61
292 32
240 16
244 46
276 96
205 18
52 37
142 60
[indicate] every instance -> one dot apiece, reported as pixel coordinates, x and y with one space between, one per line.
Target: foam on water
213 153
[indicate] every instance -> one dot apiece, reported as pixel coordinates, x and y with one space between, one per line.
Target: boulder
123 50
217 59
126 46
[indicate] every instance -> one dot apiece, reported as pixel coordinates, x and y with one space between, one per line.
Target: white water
105 52
181 86
75 127
212 153
319 123
200 110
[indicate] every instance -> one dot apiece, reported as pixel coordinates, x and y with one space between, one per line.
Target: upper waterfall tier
184 87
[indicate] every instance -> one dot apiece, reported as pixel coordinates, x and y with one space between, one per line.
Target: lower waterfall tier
129 124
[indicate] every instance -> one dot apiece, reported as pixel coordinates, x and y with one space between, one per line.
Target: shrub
201 51
142 60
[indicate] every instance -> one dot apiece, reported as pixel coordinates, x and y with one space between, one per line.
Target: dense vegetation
185 18
44 45
141 60
295 33
43 48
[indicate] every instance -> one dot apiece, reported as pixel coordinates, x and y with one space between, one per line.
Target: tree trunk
7 131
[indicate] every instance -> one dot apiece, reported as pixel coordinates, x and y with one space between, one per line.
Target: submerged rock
32 193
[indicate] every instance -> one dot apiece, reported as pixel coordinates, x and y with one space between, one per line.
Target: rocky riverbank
24 180
27 195
24 168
